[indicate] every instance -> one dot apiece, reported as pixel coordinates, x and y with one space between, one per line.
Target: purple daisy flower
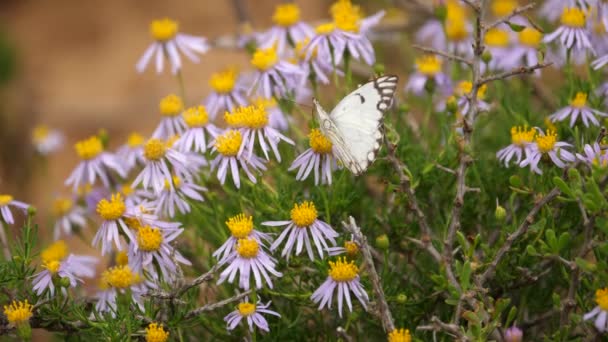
572 32
171 123
7 201
547 144
67 216
47 140
229 90
578 106
320 157
600 312
193 139
178 196
521 139
241 227
132 153
593 155
273 77
287 28
252 313
428 67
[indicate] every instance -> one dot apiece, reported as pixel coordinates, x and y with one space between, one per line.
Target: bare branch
451 329
205 277
213 306
429 248
475 5
443 54
517 71
515 12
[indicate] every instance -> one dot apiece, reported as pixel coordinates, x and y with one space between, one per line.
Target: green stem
182 88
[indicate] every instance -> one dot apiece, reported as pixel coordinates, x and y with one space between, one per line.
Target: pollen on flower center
18 312
62 206
120 277
5 199
248 248
579 101
253 117
89 148
155 149
171 105
573 17
465 87
52 266
135 140
246 308
112 209
429 65
56 251
149 239
319 142
346 15
520 136
546 142
229 143
264 59
497 37
163 29
122 258
324 29
502 8
40 133
342 270
601 298
223 82
351 248
156 333
530 37
400 335
196 116
286 15
240 226
264 102
304 214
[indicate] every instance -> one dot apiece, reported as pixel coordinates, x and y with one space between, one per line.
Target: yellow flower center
135 140
318 142
223 82
155 149
246 308
40 133
228 144
573 17
126 190
520 136
52 266
18 312
342 270
149 239
264 59
163 29
253 117
120 277
55 252
429 65
455 10
601 298
346 15
132 222
122 258
196 116
351 248
325 29
5 199
497 37
546 142
400 335
465 87
530 37
62 206
303 214
89 148
286 15
240 225
579 101
264 102
171 105
248 248
502 8
112 209
156 333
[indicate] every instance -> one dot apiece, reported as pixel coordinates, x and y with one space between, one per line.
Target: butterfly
354 125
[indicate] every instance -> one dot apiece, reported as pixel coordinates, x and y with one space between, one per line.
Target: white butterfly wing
357 120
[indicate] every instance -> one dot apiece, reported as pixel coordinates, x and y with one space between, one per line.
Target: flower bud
451 105
401 298
500 213
486 57
379 69
64 282
31 211
513 334
382 242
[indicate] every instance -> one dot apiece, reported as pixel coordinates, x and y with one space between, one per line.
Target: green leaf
585 265
563 187
515 181
564 240
515 27
511 316
465 276
531 250
552 240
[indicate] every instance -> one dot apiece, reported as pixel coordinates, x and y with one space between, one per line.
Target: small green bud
379 69
500 213
515 181
17 258
401 298
404 108
451 105
64 282
486 57
382 242
31 211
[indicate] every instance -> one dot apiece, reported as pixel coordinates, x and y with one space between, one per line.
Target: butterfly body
354 126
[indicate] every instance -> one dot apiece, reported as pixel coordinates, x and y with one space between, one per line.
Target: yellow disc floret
122 258
318 142
346 16
57 251
240 226
530 37
325 29
89 148
246 308
429 65
5 199
264 102
497 38
521 136
352 249
546 142
400 335
171 105
342 270
579 101
229 143
248 248
155 149
62 206
223 82
465 87
40 133
502 8
196 116
112 209
156 333
149 239
120 277
253 117
264 59
286 15
52 266
601 298
303 214
573 17
135 140
163 29
18 312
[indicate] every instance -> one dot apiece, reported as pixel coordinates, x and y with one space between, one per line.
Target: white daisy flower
132 152
227 145
229 90
68 215
572 31
171 123
177 195
169 42
320 157
521 139
273 77
120 279
288 28
241 227
47 140
600 312
197 122
578 106
428 68
547 144
252 313
7 201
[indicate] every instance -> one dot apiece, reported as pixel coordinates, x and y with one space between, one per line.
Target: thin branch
517 71
205 277
383 310
213 306
443 54
429 248
475 5
438 325
514 13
